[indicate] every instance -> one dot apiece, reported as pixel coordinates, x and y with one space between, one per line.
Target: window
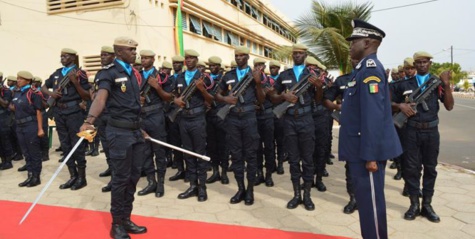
218 33
247 8
267 52
254 48
195 25
208 30
231 38
248 44
236 3
184 22
92 64
255 14
62 6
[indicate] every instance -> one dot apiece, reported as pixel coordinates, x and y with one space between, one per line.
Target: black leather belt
124 124
266 111
243 109
192 111
423 125
25 120
299 111
150 108
67 104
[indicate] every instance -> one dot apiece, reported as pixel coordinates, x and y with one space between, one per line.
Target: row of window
209 30
61 6
263 18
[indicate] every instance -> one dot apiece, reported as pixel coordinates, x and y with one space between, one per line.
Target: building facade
34 31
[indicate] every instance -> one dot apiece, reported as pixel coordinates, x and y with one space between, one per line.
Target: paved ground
454 201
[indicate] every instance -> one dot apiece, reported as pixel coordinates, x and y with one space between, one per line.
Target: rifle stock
187 93
336 115
237 91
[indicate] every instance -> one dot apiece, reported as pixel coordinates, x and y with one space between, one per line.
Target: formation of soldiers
230 115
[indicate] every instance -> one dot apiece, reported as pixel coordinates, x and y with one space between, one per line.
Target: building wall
32 39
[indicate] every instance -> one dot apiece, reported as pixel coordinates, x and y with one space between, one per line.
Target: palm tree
325 28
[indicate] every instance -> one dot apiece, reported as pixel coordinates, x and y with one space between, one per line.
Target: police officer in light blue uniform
367 135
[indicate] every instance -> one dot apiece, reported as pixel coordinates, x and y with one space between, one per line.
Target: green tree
457 73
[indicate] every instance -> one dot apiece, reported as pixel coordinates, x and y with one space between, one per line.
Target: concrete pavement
454 201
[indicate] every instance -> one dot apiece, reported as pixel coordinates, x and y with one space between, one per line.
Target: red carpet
51 222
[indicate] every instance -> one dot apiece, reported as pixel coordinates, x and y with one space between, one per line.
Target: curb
461 169
464 95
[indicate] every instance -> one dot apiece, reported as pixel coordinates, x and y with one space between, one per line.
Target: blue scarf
66 70
146 74
298 69
213 76
422 79
25 88
189 76
275 77
175 75
241 73
127 67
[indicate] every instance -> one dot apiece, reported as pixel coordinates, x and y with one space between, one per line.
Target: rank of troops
131 99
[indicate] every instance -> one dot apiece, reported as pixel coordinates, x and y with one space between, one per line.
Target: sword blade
179 149
51 179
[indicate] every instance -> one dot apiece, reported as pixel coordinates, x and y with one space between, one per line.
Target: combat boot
224 176
160 186
81 181
297 199
307 201
107 188
319 184
6 163
427 210
280 166
414 210
215 176
95 150
35 180
106 173
73 173
190 192
151 186
24 183
22 168
249 198
259 178
133 228
118 232
241 193
202 195
179 175
398 175
45 155
269 181
89 148
351 206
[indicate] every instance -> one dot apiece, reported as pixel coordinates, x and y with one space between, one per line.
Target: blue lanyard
126 66
24 88
146 74
275 77
189 76
422 79
66 70
214 76
298 69
241 73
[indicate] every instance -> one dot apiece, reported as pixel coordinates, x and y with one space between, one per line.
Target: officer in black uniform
367 135
173 127
299 127
153 122
6 149
420 136
241 123
274 68
17 154
192 123
44 141
27 104
68 116
265 126
216 128
119 88
335 93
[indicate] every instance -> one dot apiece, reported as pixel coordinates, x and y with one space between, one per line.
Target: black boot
151 186
351 206
106 173
17 157
35 180
107 188
329 160
280 166
24 183
179 175
259 178
133 228
249 198
160 186
190 192
202 195
405 191
414 210
427 210
89 148
307 201
22 168
215 176
297 199
95 150
241 193
398 175
118 232
393 165
224 176
81 181
325 173
6 163
45 155
319 184
268 180
73 173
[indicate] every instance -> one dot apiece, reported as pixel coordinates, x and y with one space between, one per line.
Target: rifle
62 86
299 88
146 89
418 97
237 91
186 96
215 88
336 115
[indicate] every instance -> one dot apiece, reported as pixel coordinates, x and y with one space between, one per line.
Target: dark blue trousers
193 137
67 126
154 125
27 134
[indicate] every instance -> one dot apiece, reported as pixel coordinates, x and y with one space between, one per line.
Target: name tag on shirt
180 85
343 87
122 79
407 92
351 83
230 81
286 81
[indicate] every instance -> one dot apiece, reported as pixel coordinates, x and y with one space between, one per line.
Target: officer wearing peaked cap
6 149
119 88
367 135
